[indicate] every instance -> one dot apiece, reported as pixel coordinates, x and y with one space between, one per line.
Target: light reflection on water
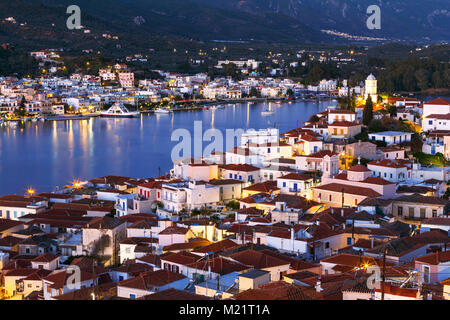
53 153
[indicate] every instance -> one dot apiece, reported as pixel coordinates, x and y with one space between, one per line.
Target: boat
163 111
277 102
216 107
267 112
36 118
118 110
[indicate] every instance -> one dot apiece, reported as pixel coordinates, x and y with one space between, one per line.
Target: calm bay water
44 155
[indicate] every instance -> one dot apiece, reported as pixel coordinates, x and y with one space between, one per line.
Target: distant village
307 214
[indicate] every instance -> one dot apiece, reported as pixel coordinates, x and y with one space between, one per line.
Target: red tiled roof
387 163
439 116
337 187
435 258
240 167
397 291
151 279
438 101
173 295
219 265
353 260
183 257
377 180
257 259
174 230
344 124
46 257
321 154
359 168
217 246
187 245
266 186
6 224
296 176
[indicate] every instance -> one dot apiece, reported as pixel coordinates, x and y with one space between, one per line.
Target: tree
314 119
20 111
353 101
368 111
254 92
289 92
233 205
392 109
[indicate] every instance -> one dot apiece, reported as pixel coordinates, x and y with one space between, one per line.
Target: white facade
391 137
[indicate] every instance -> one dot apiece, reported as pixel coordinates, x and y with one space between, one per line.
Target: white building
371 88
261 136
391 137
436 106
434 122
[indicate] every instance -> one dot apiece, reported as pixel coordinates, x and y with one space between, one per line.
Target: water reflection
49 154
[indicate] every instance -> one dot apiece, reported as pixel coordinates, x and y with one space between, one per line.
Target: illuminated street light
31 191
76 184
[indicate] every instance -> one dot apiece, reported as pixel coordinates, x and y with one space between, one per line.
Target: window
411 212
422 213
434 213
330 197
231 176
132 296
426 274
400 211
284 184
349 241
327 245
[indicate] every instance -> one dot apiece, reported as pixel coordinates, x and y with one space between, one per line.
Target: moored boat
118 110
163 111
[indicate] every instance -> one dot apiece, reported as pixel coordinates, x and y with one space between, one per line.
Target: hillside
401 19
166 18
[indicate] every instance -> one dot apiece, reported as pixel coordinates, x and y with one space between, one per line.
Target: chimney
342 212
371 243
292 233
332 210
318 285
318 222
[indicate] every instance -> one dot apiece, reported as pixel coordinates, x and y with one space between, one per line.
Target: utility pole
151 241
384 272
94 262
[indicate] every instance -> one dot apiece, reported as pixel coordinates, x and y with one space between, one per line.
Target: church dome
371 77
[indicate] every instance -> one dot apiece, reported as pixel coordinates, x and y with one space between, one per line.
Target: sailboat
164 111
118 110
267 112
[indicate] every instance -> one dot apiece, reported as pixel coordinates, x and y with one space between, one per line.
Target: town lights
76 184
31 191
